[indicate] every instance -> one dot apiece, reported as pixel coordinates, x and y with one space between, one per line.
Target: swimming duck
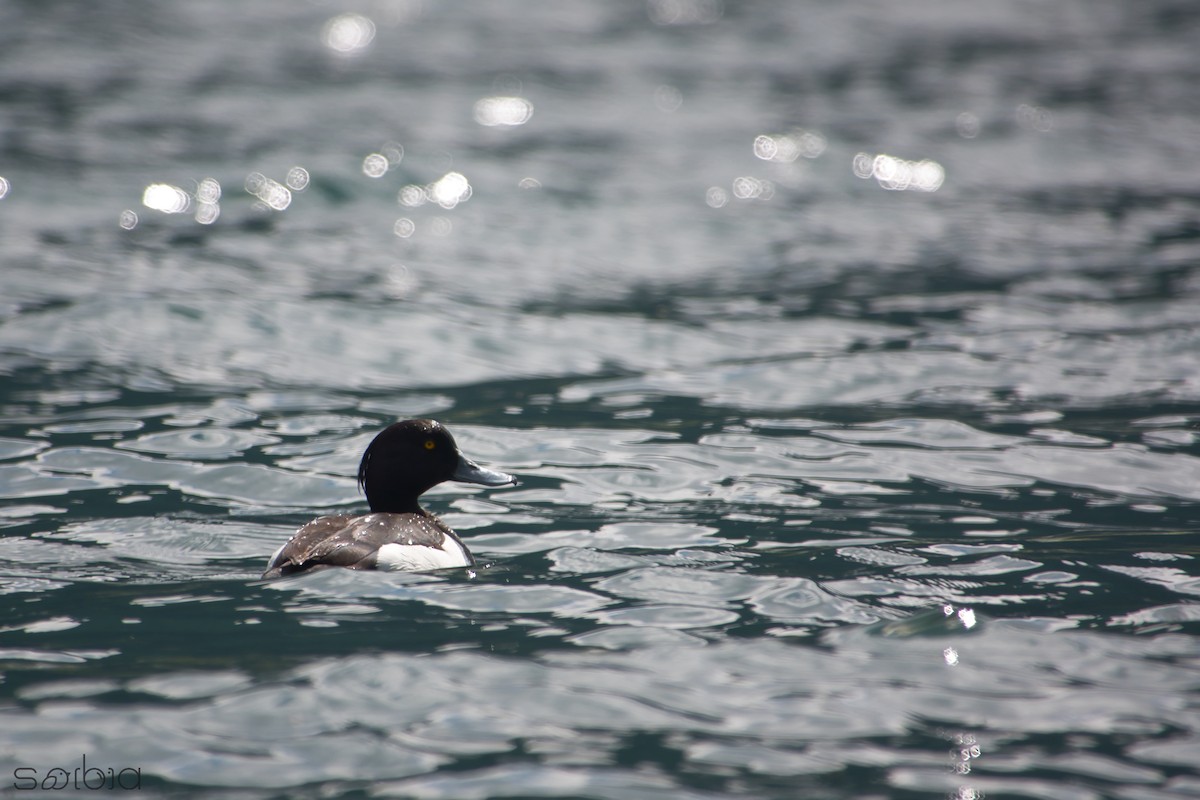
404 461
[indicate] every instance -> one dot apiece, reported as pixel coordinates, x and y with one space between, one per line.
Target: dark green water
848 357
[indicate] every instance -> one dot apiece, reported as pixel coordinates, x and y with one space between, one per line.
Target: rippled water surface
848 356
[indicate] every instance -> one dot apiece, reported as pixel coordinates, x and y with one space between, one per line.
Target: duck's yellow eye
430 444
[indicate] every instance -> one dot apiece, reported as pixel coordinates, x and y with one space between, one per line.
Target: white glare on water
898 174
375 165
272 193
171 199
207 213
166 198
862 165
208 191
449 190
348 33
747 187
297 179
787 147
412 196
503 111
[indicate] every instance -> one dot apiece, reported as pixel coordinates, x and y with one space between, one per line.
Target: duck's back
389 541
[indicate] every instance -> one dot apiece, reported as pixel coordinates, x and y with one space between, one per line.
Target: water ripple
206 443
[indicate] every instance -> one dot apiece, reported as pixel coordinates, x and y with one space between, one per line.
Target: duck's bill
470 472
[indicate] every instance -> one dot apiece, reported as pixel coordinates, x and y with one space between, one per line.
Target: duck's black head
408 458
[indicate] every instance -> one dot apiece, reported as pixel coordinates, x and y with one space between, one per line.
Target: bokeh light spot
746 187
667 99
5 187
272 193
404 227
766 148
716 197
375 165
128 219
967 125
862 165
503 111
297 179
166 198
898 174
393 152
787 147
412 196
208 191
1035 118
449 190
348 33
207 213
399 281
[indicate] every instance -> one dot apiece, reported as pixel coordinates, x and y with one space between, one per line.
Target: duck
403 461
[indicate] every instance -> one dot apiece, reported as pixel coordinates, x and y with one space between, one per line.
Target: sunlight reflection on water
898 174
272 193
348 34
503 111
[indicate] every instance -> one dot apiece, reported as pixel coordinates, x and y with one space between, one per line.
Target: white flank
418 557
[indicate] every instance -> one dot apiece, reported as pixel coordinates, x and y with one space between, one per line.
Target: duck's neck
381 503
396 507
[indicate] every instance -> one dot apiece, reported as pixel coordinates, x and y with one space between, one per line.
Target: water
847 355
